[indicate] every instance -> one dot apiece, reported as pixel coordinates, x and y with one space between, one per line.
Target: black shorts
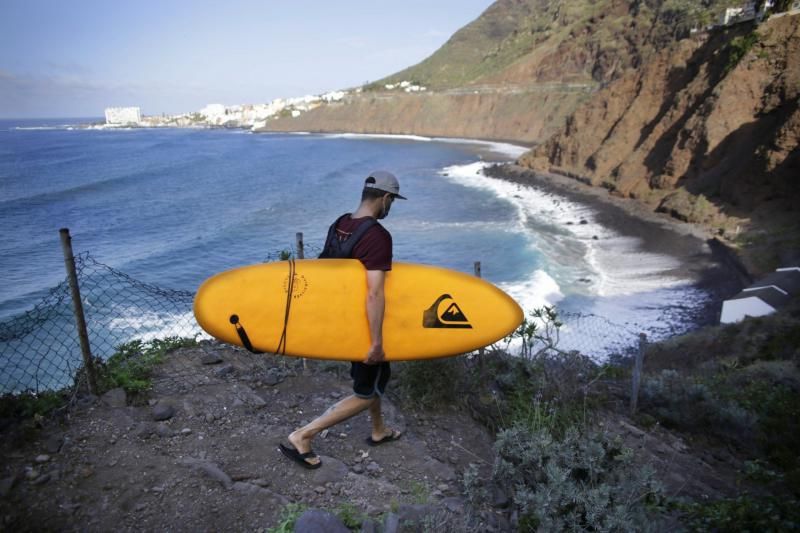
369 380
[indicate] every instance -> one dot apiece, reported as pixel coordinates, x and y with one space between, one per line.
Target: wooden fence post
637 372
80 320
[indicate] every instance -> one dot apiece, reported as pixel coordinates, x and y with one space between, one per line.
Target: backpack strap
335 249
352 240
327 250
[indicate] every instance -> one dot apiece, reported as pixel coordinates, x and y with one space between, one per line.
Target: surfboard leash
243 335
289 291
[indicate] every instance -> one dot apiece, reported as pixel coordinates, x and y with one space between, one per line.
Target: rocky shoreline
706 260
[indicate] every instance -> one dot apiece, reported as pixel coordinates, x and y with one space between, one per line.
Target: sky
74 58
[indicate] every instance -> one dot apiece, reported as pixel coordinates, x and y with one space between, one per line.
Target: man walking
358 235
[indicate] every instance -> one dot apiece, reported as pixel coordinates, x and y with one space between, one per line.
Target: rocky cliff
709 126
622 94
515 73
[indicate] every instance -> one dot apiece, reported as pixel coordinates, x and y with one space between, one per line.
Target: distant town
256 116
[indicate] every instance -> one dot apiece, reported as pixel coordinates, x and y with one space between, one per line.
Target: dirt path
201 455
212 464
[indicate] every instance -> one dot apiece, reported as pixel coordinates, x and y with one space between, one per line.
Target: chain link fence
40 348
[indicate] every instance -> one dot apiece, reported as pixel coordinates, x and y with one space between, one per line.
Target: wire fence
40 349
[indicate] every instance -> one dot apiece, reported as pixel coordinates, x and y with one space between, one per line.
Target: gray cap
384 181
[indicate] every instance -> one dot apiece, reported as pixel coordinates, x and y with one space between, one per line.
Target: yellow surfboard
316 308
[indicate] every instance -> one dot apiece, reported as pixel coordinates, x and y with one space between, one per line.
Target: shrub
738 48
31 404
582 481
432 383
744 513
133 363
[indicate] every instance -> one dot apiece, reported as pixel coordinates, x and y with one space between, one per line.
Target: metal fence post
477 267
299 240
637 372
80 320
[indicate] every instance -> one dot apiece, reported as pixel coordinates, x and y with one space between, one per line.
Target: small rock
370 526
263 483
391 523
320 490
332 471
225 370
209 418
144 430
6 485
54 443
41 480
272 379
163 411
318 521
164 431
442 486
358 469
373 468
210 358
186 431
43 458
115 398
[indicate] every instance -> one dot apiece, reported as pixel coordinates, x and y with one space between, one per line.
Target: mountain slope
708 125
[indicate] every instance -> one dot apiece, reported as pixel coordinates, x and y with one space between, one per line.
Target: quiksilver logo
445 313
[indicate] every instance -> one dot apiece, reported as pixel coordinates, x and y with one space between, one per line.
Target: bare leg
378 429
339 412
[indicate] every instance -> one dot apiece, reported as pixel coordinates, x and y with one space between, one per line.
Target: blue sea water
171 207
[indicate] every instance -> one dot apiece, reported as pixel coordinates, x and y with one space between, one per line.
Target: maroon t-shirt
374 249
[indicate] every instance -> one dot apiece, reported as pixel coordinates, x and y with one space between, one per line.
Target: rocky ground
199 453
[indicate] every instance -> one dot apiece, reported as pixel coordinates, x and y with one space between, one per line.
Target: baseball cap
384 181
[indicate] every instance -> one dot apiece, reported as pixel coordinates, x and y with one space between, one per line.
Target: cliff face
515 73
526 115
693 118
705 128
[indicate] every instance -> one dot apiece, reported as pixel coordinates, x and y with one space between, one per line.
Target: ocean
171 207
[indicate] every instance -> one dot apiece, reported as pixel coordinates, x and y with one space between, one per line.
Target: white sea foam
376 136
595 273
511 151
135 323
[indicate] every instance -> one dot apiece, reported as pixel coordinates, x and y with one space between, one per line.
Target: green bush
133 363
432 383
30 404
738 48
744 513
582 481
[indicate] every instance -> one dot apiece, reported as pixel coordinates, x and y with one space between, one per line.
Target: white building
123 115
763 297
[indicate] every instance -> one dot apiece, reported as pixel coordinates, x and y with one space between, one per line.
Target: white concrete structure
763 297
120 116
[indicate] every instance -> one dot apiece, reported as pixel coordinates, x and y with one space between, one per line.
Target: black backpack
336 248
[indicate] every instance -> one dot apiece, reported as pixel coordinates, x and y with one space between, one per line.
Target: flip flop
393 436
300 458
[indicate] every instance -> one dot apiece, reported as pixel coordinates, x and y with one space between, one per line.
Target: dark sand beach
711 265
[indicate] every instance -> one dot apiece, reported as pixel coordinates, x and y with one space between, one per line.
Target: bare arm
376 303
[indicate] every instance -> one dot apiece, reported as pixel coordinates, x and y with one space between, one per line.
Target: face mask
386 207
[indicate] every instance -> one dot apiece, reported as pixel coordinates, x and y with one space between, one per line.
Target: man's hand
375 355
